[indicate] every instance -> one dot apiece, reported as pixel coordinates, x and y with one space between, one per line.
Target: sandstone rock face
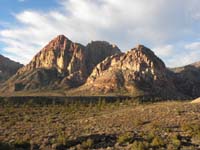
7 68
97 51
68 63
187 79
137 70
100 68
61 53
197 100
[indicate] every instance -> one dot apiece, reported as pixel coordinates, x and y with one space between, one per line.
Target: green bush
150 136
157 142
175 141
138 122
125 138
61 139
87 144
139 145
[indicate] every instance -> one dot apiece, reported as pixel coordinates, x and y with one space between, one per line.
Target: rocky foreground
119 125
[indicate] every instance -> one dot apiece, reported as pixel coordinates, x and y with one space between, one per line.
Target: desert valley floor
119 125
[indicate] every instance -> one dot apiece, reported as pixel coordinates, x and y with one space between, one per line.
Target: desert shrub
156 125
193 129
27 118
196 138
138 122
87 144
61 139
171 147
125 138
157 142
139 145
176 141
186 127
191 147
150 136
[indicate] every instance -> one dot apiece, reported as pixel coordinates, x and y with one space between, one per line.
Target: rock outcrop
66 57
7 68
196 101
60 64
138 72
97 51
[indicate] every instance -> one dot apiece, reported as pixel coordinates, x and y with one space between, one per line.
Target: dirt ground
119 125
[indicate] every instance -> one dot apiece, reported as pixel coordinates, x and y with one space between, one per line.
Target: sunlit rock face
61 53
136 70
68 63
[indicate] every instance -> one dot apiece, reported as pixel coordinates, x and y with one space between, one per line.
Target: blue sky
11 7
171 28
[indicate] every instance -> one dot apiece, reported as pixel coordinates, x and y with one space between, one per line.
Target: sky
171 28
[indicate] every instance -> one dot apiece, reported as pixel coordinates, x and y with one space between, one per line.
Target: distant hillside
8 68
187 79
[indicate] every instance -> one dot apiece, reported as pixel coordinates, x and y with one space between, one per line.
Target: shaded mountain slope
136 72
187 79
8 68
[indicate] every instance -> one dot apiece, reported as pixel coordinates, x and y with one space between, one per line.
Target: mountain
100 68
60 64
136 72
97 51
187 79
7 68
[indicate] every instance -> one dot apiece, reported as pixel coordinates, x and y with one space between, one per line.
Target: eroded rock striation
101 68
60 64
138 71
97 51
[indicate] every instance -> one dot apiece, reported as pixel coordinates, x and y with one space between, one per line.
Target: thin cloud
193 46
164 51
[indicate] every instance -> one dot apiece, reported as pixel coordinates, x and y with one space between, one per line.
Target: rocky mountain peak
138 68
139 59
59 42
70 64
58 54
147 53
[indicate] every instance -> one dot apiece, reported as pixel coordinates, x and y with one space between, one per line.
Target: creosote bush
176 141
157 142
87 144
139 145
125 138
